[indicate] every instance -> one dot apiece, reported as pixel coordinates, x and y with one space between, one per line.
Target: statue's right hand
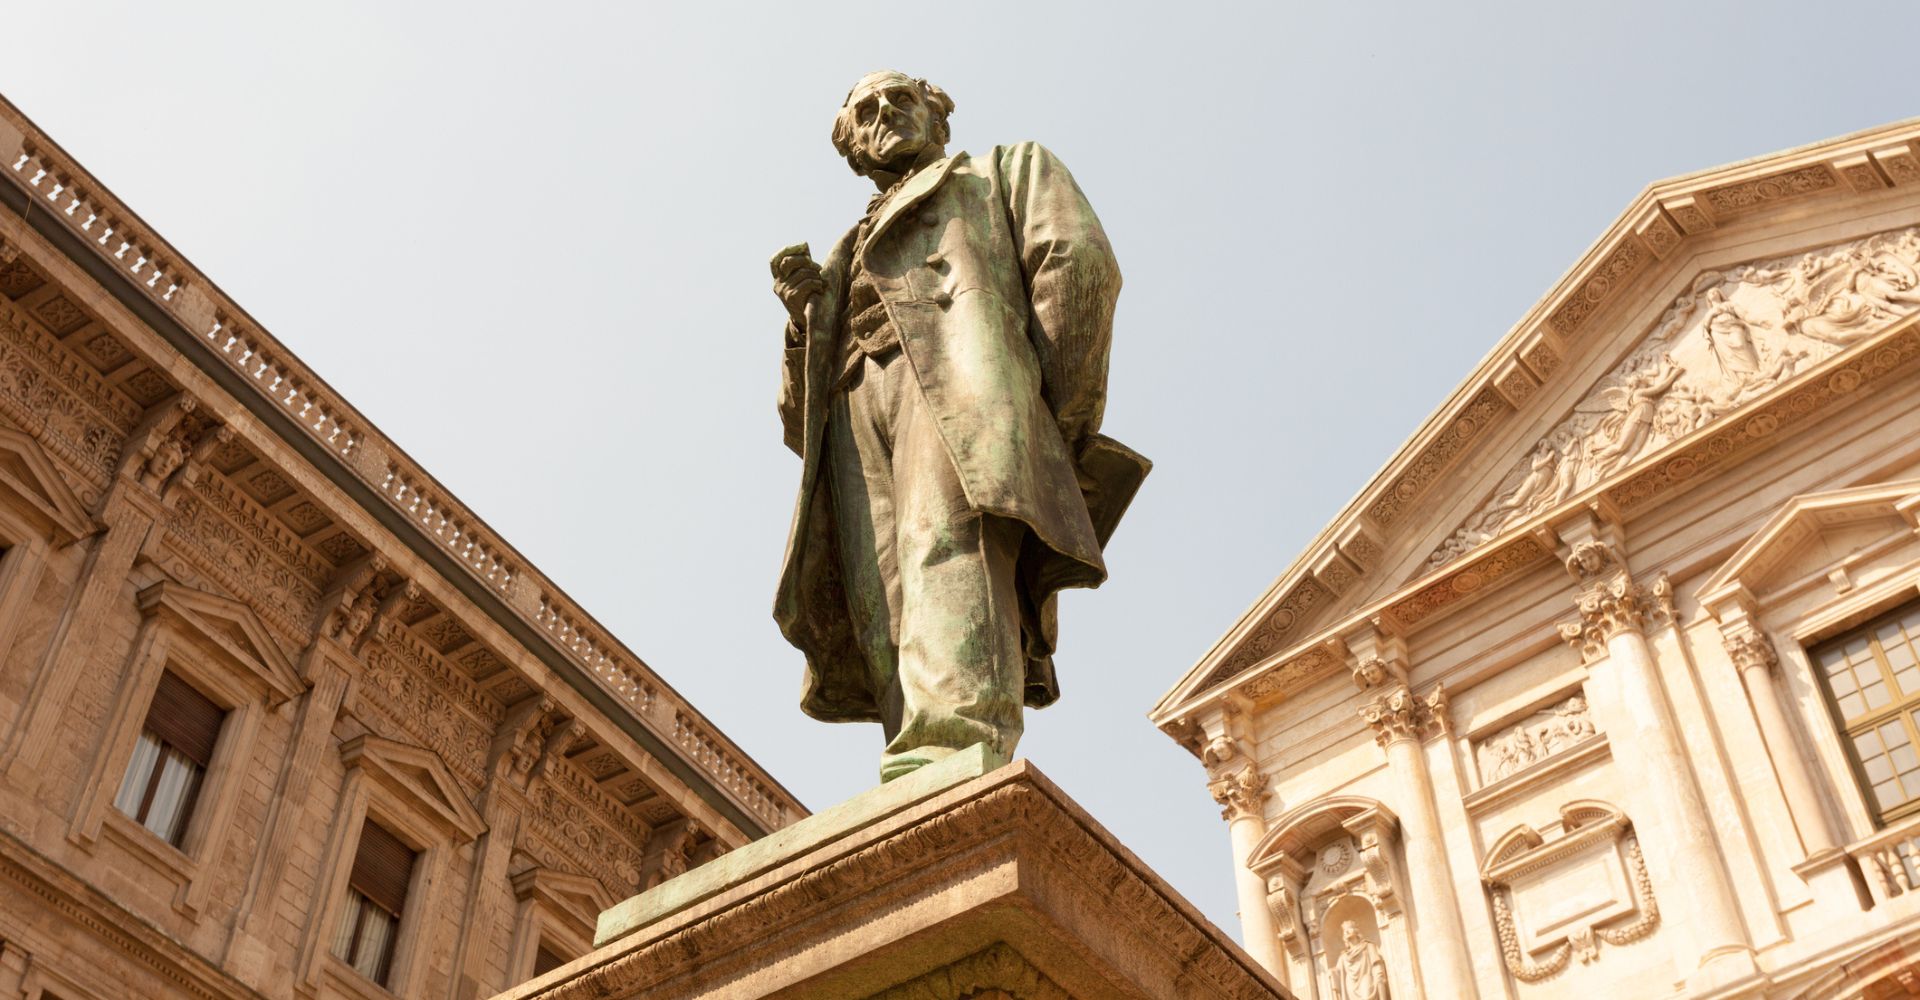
796 279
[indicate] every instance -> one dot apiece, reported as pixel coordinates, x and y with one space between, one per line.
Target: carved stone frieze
1399 715
1733 336
1560 726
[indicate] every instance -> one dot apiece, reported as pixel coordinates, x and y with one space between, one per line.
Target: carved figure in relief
1622 432
944 382
1359 973
1758 324
1533 739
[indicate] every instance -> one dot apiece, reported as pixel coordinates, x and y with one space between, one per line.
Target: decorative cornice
36 881
212 332
1656 227
1019 817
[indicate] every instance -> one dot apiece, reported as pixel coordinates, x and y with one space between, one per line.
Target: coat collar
916 188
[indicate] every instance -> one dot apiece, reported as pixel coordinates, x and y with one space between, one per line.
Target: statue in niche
1359 973
944 380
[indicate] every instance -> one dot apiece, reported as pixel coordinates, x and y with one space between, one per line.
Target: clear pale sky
530 242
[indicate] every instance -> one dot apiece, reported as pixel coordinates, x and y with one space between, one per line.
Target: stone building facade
1608 684
278 716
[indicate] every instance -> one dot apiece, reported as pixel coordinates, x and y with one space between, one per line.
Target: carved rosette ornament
1399 715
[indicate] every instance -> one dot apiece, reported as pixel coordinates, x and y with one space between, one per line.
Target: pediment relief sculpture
1558 895
1549 731
1733 336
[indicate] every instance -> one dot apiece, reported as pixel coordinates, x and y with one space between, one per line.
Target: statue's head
888 120
1349 932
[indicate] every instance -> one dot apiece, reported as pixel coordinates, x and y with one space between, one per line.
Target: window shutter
545 961
185 718
382 867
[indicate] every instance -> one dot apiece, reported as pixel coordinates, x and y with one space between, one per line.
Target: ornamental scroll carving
1736 334
1235 780
1400 715
1558 899
1560 726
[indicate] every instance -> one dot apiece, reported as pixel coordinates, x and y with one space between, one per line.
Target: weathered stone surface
1000 883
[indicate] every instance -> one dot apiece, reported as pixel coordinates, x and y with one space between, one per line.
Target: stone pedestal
961 880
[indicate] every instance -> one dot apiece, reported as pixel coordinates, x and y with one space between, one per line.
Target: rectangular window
376 896
171 758
546 960
1872 676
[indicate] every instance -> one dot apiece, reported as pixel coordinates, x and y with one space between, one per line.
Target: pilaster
1611 635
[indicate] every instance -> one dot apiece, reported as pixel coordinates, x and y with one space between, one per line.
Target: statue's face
1349 933
891 121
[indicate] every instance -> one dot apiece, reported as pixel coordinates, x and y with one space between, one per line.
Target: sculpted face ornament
945 500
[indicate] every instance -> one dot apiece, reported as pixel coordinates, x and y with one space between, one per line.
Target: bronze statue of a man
945 375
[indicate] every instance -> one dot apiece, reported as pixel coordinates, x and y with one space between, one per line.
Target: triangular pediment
226 628
419 779
28 474
1712 306
1814 531
1735 335
577 896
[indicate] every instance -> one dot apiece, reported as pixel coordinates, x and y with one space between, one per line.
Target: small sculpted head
1349 933
888 120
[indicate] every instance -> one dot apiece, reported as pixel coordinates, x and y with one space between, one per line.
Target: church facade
279 717
1608 684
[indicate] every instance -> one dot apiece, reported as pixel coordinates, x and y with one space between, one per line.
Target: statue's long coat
1002 286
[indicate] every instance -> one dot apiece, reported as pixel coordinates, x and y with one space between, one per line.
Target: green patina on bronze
953 479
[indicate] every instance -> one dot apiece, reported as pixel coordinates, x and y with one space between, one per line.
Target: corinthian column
1658 778
1236 783
1400 722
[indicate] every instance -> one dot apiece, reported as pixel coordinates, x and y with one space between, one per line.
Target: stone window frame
39 513
220 648
43 983
1899 709
557 907
409 791
1732 595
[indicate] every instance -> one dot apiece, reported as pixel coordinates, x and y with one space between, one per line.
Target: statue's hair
938 104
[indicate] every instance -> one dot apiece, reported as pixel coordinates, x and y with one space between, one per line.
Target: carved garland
1528 971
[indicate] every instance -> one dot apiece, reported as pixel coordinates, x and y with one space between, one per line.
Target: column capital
1398 715
1234 779
1613 604
1749 648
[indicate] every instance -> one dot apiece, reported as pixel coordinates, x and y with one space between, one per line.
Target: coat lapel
911 193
